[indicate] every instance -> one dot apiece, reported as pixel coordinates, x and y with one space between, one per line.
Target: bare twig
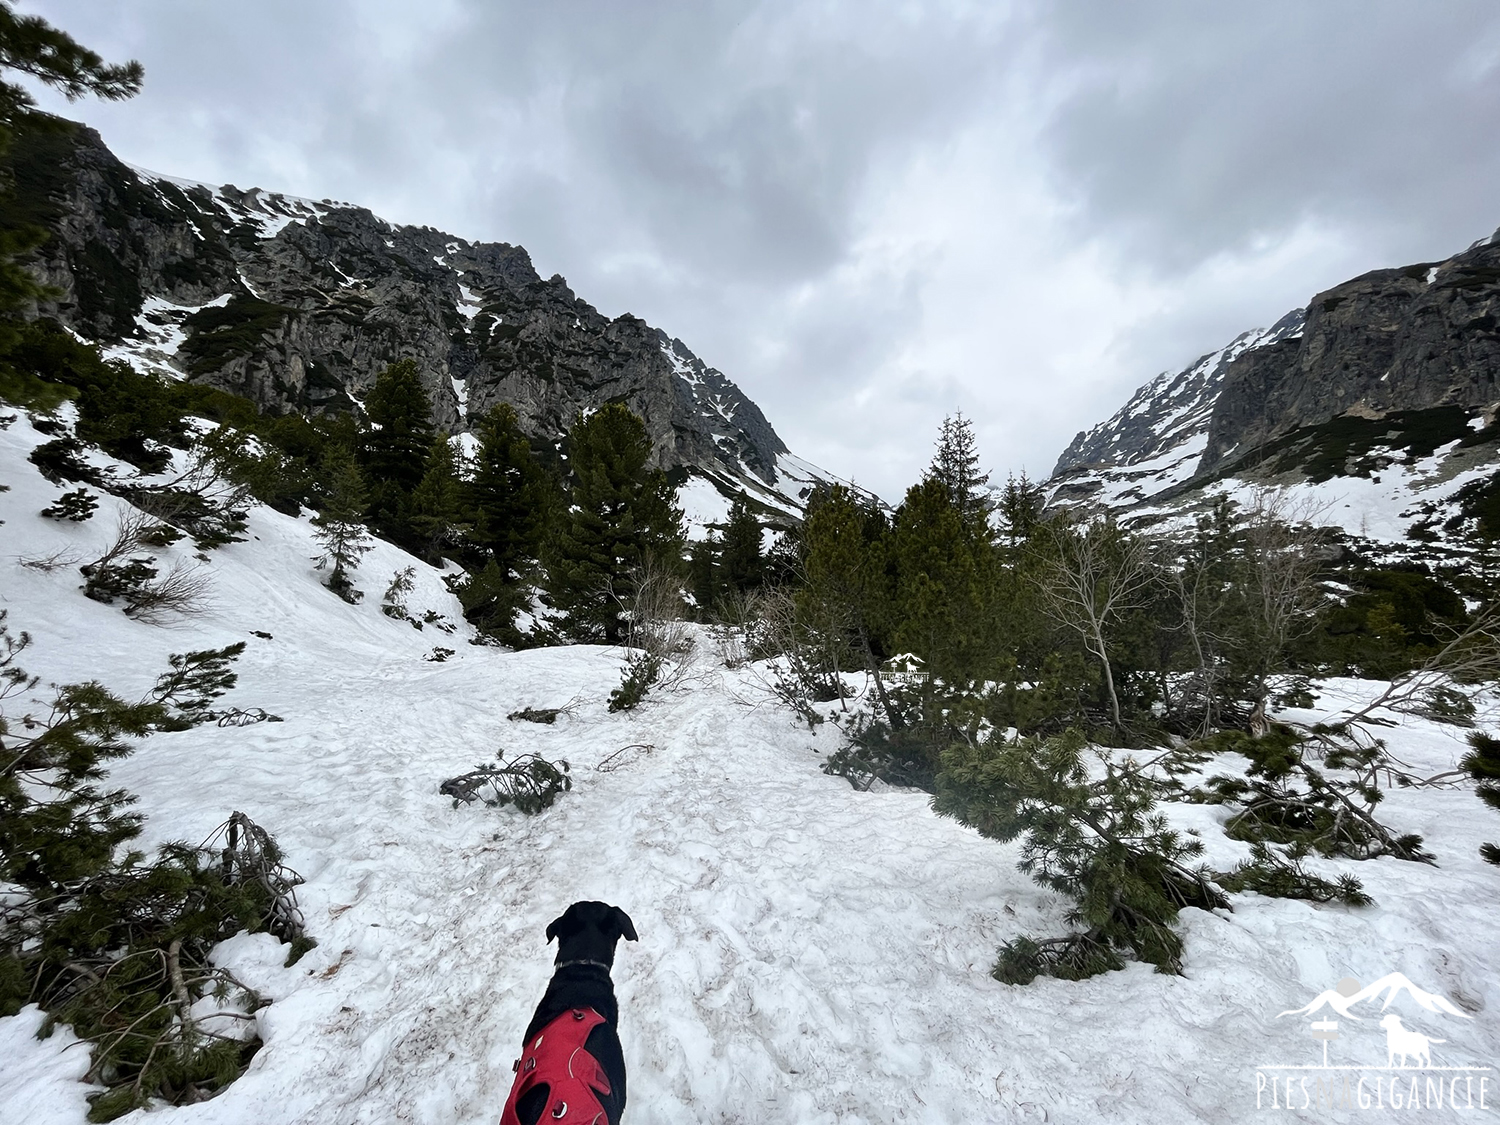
1470 656
181 592
611 763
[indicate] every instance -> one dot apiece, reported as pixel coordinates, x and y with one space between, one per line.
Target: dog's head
588 931
1391 1022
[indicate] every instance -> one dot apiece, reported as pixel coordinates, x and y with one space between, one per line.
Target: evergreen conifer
944 582
1020 509
437 501
846 597
1483 765
340 528
395 450
511 496
742 561
1090 831
956 467
705 575
621 513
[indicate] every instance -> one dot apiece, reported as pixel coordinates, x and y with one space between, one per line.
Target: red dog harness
556 1058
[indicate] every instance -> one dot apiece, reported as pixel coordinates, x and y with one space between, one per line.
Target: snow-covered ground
808 953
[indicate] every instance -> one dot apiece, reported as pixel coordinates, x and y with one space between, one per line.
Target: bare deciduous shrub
657 636
740 627
801 654
1093 574
181 592
1284 551
131 528
119 574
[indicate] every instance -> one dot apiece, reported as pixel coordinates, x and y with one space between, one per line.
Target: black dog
571 1068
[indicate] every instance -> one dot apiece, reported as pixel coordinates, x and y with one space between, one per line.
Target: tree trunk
1109 682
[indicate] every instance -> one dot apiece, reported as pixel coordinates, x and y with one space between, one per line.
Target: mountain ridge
298 304
1380 396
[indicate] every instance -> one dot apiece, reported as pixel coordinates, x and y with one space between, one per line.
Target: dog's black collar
581 961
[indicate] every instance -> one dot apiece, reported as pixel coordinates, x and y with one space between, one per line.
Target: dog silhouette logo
1409 1078
1400 1041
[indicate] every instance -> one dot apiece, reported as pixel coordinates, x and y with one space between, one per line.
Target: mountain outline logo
1410 1075
1348 993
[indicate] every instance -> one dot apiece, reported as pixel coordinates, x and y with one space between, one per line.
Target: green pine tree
1020 509
1483 764
394 451
944 584
437 501
705 577
340 529
511 497
956 467
621 514
743 563
1090 831
845 599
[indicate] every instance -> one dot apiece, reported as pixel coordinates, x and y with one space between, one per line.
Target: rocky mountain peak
299 304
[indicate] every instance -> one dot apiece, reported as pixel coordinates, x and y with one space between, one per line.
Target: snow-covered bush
112 943
530 782
1092 834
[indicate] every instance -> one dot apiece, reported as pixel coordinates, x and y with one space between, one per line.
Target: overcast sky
868 215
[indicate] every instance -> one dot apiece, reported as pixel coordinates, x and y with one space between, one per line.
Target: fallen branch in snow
545 715
530 782
249 856
1433 690
46 564
610 764
244 717
124 956
1285 800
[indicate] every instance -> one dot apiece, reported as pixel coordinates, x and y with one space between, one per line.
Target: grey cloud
723 169
1190 130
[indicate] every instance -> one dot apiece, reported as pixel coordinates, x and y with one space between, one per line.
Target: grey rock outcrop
1404 339
298 305
1173 410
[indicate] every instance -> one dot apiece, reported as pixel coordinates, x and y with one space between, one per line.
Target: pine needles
1285 799
530 782
102 938
1089 834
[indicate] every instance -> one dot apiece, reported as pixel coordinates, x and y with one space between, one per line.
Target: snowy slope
808 953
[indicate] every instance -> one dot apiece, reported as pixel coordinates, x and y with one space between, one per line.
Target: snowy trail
808 953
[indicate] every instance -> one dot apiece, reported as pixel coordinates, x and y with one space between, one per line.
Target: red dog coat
557 1059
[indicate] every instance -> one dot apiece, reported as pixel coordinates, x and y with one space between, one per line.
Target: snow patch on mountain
158 336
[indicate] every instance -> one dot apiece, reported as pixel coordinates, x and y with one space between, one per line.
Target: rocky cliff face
1390 366
1170 415
1377 406
298 305
1412 339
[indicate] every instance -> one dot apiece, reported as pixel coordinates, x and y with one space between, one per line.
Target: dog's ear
560 925
624 924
